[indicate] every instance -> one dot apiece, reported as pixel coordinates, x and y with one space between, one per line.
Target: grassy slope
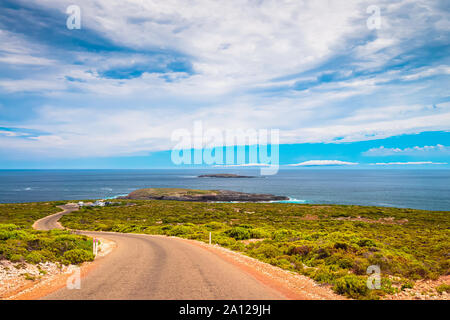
309 239
19 242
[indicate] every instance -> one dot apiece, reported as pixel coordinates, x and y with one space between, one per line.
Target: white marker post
210 238
95 246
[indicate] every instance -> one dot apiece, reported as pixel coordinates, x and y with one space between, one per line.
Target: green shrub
34 257
77 256
351 286
407 285
366 243
322 253
239 233
268 250
443 288
180 231
341 245
212 226
259 233
281 234
301 250
16 258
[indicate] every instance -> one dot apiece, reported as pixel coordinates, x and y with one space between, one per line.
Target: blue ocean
419 189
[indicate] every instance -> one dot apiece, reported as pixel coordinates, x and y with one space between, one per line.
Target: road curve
155 267
51 222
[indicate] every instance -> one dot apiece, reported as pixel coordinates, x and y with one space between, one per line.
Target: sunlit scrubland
20 243
332 244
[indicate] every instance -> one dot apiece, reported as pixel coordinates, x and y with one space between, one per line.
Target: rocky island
224 175
180 194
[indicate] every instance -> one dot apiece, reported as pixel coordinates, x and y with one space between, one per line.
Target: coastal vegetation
20 243
333 244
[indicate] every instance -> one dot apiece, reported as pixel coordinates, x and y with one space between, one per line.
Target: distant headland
180 194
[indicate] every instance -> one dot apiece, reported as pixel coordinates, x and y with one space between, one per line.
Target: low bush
239 233
443 288
77 256
34 257
352 286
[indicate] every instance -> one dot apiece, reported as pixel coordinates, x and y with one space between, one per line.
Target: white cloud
323 163
236 48
26 60
438 149
427 72
406 163
12 133
245 165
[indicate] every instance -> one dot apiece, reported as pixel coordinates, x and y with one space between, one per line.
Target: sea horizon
425 189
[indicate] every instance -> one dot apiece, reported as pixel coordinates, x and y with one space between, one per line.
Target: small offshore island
180 194
224 175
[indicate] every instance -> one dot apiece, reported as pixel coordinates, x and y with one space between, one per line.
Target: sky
341 92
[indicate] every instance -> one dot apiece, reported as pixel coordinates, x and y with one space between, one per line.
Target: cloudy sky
110 95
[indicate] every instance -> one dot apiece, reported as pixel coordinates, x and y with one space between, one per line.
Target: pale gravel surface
13 275
423 290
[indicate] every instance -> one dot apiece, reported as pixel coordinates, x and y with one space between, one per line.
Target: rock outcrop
199 195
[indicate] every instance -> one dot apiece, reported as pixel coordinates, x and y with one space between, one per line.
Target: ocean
419 189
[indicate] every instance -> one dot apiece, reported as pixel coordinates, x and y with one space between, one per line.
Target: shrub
281 234
16 258
366 243
301 251
29 277
352 286
268 250
322 253
360 266
259 233
34 257
239 233
443 288
212 226
341 245
77 256
407 285
8 227
180 230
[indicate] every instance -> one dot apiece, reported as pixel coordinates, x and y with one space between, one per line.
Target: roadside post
95 246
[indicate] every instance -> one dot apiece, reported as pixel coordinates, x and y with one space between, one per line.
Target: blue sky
111 94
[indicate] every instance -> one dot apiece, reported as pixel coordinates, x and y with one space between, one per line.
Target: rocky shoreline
200 195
